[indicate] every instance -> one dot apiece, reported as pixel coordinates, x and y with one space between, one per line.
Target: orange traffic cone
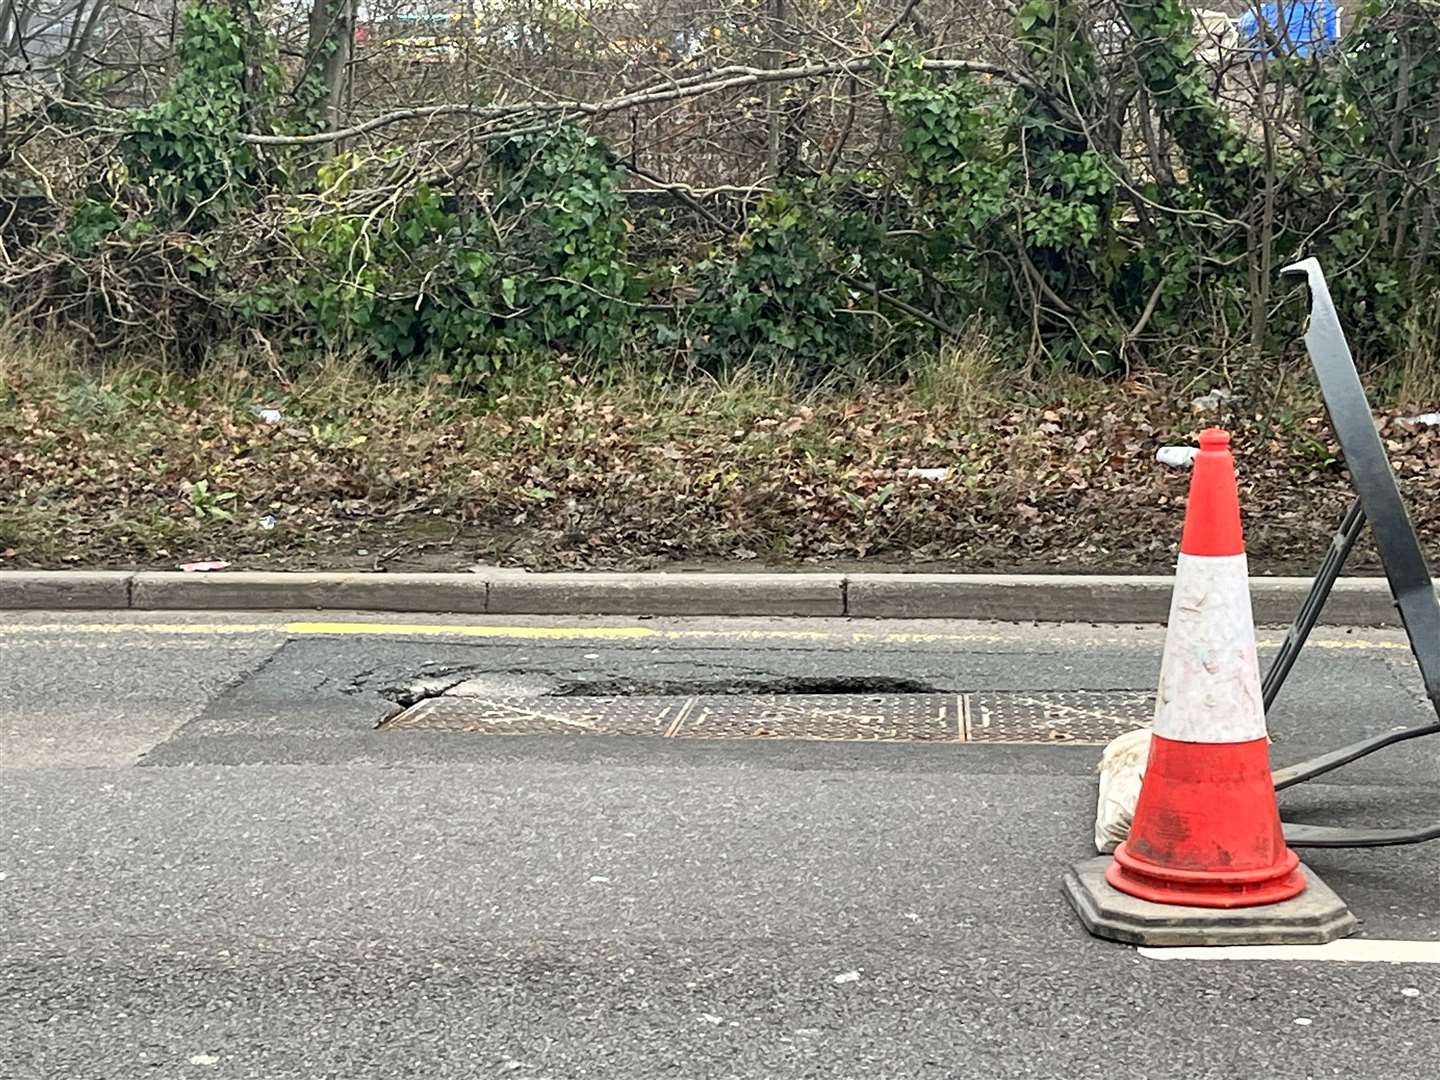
1207 831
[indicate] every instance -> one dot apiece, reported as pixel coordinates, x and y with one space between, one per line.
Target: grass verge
964 467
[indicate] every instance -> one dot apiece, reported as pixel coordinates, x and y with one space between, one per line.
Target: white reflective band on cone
1210 677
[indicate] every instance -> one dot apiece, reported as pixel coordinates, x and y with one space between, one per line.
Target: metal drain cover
1012 717
1081 716
541 715
861 717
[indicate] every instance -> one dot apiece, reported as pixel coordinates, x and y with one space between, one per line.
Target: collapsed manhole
1090 717
742 686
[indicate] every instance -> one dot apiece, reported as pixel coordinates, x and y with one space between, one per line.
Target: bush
1096 206
185 149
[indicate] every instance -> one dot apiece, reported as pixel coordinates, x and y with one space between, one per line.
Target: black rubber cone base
1314 917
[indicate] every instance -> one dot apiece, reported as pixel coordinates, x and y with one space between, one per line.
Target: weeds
1418 385
965 376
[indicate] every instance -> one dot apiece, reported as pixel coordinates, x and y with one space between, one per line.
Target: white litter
1410 991
928 474
1303 1021
1429 419
1122 767
204 1059
269 416
1212 401
1182 457
848 977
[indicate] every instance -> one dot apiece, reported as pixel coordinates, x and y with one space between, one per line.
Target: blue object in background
1299 27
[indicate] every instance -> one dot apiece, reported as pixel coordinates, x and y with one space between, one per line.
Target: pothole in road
469 684
522 684
528 701
731 687
754 705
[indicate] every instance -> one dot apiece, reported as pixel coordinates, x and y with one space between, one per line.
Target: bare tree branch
528 112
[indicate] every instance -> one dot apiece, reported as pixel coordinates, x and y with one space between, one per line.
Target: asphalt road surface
215 865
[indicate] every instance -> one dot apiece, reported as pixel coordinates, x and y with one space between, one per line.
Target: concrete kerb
1097 598
461 594
1010 597
667 594
64 590
1006 598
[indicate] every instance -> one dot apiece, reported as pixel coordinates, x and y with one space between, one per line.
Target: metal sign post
1380 503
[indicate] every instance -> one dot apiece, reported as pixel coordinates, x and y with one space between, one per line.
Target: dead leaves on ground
607 479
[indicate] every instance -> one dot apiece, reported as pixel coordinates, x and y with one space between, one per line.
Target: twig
1145 316
1034 275
899 19
900 305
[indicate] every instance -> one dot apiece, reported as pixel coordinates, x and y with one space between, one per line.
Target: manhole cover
1012 717
874 718
1080 716
541 715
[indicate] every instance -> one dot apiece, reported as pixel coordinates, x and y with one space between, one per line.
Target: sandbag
1122 767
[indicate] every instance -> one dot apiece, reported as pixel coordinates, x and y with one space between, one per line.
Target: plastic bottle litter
1181 457
267 522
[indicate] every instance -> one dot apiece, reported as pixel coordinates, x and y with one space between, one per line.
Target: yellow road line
600 633
57 629
343 629
339 629
1335 643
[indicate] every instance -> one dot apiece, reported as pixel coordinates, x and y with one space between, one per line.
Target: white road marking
1347 950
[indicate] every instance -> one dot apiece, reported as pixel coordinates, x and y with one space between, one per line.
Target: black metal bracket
1380 503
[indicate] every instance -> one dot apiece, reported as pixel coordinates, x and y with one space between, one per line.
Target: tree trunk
82 34
327 58
773 58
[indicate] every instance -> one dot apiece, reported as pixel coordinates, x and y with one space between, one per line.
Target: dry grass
966 375
1418 384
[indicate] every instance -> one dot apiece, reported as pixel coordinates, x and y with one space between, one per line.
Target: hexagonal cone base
1314 917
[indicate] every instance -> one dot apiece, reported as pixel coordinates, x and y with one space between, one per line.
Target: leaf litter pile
160 471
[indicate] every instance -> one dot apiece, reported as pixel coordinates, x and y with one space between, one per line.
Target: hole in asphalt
469 683
629 687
